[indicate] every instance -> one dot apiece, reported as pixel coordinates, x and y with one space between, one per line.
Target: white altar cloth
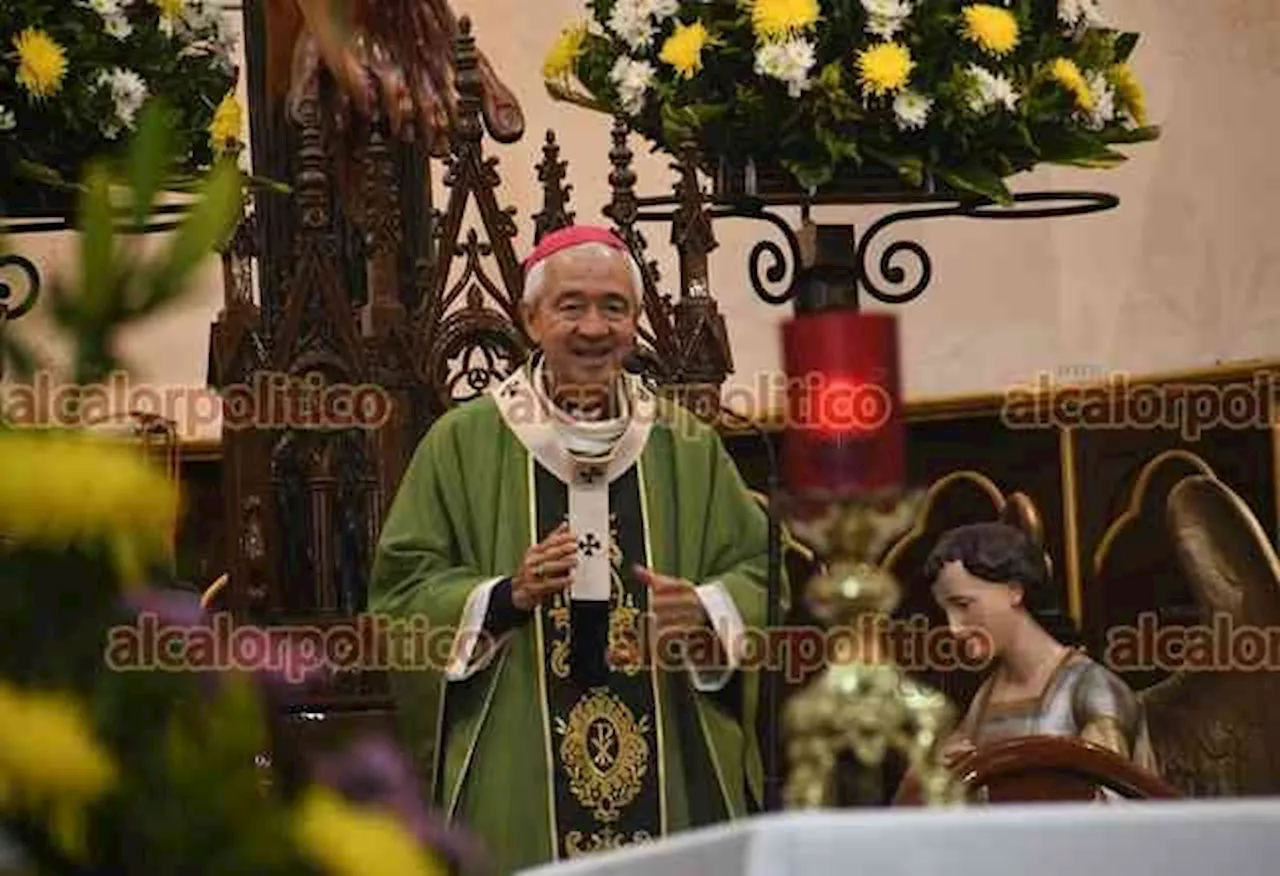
1147 838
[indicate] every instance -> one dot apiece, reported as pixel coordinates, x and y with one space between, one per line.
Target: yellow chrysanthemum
885 68
773 19
561 60
42 63
48 752
1130 91
227 124
347 840
170 9
683 49
1065 72
58 488
991 28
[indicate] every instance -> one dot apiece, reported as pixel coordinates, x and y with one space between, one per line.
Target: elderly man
595 557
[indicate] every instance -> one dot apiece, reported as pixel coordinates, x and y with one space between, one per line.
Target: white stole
587 457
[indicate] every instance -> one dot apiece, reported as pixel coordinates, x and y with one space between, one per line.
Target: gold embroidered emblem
625 653
560 647
577 844
604 752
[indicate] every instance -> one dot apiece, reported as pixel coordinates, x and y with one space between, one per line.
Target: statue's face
982 615
585 320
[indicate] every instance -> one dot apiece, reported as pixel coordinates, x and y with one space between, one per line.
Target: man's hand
673 601
547 569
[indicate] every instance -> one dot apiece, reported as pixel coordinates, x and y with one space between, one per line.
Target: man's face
585 319
982 615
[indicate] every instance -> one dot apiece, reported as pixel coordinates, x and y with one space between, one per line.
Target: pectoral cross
589 544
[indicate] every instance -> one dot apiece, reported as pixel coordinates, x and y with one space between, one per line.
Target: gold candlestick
863 704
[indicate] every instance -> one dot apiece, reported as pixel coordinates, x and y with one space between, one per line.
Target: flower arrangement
112 759
75 74
930 93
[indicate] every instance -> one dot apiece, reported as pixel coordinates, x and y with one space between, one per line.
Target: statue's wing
1210 724
1223 549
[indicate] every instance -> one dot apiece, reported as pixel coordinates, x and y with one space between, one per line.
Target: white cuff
470 633
727 622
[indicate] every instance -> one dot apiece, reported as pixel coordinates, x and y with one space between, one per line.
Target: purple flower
374 771
171 607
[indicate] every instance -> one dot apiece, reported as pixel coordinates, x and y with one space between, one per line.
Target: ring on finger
540 571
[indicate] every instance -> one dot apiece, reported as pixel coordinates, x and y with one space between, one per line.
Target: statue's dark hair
1003 554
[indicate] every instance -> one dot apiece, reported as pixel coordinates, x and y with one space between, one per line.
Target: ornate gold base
863 705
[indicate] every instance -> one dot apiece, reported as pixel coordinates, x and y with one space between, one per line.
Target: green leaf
207 227
1105 159
839 148
1134 135
18 360
910 168
979 180
97 238
149 153
809 174
1125 44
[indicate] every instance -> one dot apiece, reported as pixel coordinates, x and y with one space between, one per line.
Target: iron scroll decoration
25 301
770 263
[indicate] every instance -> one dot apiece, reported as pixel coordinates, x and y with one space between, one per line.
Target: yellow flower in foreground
560 61
772 19
1130 91
885 68
59 488
683 49
1065 72
348 840
227 124
170 9
48 752
993 29
42 63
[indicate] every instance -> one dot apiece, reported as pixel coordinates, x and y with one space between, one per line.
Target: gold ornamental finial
863 705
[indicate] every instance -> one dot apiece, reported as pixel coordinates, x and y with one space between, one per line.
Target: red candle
845 433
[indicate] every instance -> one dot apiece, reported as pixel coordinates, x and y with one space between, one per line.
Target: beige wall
1181 276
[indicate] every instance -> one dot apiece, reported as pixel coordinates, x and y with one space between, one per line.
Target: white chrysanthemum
105 8
661 10
991 90
911 109
8 121
631 22
128 92
1104 102
886 17
1081 13
632 79
788 61
117 27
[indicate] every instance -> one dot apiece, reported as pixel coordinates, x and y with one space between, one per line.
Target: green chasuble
542 745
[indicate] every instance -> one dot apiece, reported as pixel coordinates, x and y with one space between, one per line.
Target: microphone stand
770 693
770 682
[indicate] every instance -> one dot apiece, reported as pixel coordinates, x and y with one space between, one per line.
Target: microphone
634 363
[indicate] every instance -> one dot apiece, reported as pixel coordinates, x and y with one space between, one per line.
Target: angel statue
995 585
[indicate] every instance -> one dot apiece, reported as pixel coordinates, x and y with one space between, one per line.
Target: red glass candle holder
845 435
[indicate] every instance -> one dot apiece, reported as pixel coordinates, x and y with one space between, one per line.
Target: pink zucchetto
571 236
563 238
